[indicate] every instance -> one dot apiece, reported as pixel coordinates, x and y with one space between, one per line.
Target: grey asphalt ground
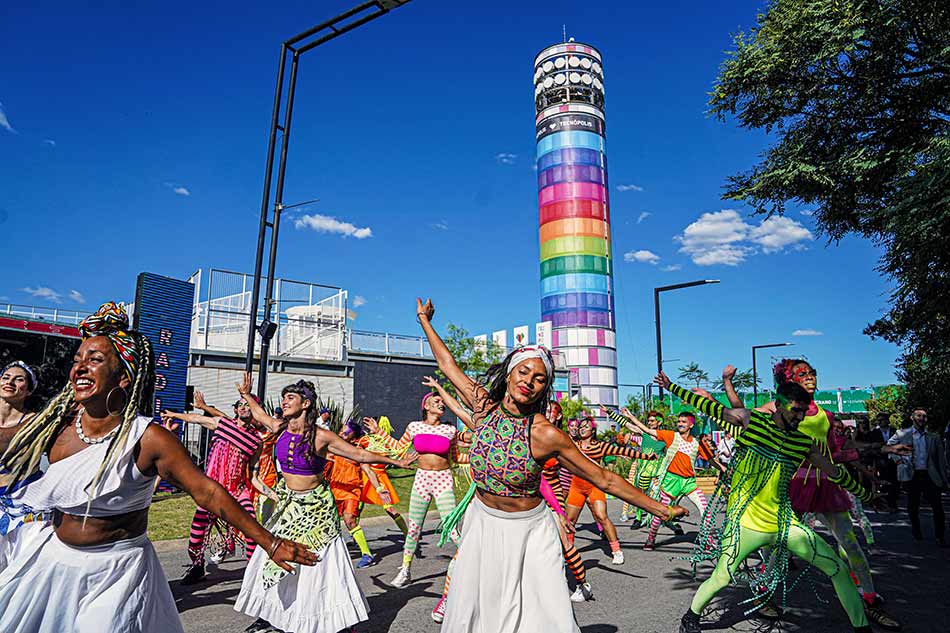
648 594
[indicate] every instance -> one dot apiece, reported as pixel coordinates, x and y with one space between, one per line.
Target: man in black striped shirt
758 513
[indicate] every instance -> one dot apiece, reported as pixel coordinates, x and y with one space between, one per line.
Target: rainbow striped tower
574 216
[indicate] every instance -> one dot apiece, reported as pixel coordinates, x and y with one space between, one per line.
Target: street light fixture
755 375
291 50
656 308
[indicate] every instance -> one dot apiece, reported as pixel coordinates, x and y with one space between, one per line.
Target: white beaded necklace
92 440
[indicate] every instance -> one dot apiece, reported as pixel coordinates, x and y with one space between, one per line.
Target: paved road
646 595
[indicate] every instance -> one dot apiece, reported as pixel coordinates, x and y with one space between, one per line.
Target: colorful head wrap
34 383
385 425
426 398
782 372
112 321
532 351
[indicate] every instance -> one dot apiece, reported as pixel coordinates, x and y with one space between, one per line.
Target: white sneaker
402 579
618 558
219 556
624 518
583 593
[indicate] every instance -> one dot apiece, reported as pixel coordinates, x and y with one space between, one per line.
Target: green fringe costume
751 508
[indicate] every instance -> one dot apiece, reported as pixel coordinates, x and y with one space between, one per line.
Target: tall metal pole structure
755 374
292 48
656 312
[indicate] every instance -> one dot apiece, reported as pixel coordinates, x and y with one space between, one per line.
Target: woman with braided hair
509 572
92 568
325 597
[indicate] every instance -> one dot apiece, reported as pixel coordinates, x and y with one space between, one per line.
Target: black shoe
678 529
690 623
880 617
259 625
195 574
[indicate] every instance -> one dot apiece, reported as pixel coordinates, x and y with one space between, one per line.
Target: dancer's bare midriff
90 531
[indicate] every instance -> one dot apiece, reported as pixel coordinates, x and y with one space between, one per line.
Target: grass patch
171 513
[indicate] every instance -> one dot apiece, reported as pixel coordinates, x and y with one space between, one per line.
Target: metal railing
34 313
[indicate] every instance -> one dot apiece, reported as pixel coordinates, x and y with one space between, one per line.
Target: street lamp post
291 49
755 375
656 308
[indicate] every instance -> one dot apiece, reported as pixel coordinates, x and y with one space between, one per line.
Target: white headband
534 351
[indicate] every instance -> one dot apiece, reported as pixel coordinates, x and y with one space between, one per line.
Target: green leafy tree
742 381
890 400
856 94
574 408
473 358
694 374
635 404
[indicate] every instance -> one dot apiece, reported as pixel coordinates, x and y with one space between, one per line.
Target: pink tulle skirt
811 491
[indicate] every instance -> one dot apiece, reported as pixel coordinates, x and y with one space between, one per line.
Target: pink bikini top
430 439
431 444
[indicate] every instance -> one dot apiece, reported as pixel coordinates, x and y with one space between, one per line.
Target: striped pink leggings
202 525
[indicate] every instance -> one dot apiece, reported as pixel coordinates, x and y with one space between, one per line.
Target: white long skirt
50 587
509 574
324 598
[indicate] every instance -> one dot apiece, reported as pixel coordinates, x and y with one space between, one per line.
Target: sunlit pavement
647 594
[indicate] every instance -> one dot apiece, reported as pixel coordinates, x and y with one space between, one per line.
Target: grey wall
392 389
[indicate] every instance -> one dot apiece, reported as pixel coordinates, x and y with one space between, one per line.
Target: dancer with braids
751 508
676 477
508 575
234 442
643 472
810 489
17 382
324 597
92 568
584 492
436 444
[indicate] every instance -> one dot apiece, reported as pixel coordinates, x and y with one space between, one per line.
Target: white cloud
671 268
629 188
181 191
42 292
644 257
723 237
442 225
807 333
4 121
643 216
76 296
358 301
807 213
326 224
50 142
506 158
777 232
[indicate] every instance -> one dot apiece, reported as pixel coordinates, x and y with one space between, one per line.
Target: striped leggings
201 527
639 478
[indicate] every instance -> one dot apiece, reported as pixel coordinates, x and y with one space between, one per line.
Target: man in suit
924 472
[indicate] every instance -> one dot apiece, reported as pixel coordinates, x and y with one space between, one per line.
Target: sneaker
368 560
219 556
690 623
402 579
438 614
880 617
583 593
618 558
195 573
649 545
624 518
258 626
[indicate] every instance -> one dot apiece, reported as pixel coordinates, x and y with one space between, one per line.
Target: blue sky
133 138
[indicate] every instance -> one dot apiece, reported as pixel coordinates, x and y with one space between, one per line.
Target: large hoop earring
124 404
